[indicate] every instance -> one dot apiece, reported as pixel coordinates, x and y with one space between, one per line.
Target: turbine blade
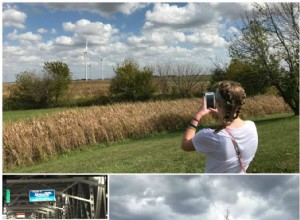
86 45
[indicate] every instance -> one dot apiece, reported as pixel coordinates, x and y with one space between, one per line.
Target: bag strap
236 149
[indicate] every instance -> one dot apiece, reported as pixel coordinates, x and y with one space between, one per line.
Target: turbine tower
90 67
101 60
226 215
85 58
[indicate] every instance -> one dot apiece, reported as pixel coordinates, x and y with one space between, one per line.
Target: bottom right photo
207 197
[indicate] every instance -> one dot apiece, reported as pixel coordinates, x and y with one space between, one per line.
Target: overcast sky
149 33
192 197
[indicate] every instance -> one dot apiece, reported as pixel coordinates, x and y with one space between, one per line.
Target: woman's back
219 144
221 156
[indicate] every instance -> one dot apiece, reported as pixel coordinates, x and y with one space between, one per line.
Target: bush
132 83
43 89
31 88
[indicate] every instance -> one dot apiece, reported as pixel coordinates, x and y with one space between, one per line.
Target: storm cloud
168 197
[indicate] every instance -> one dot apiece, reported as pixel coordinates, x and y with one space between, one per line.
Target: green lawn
12 116
278 152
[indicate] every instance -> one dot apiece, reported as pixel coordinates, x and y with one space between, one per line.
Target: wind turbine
85 58
101 60
90 67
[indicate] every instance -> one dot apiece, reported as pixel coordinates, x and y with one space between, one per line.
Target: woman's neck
236 123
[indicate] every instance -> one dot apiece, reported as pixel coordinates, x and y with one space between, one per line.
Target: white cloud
47 46
42 30
13 50
29 58
173 25
95 32
231 10
135 40
190 15
179 36
206 38
127 8
53 31
233 30
28 36
64 40
168 14
167 36
13 18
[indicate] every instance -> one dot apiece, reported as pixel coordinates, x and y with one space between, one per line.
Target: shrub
31 88
132 83
44 88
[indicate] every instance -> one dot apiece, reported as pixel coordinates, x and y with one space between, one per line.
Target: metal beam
52 180
92 202
30 208
78 198
27 211
70 186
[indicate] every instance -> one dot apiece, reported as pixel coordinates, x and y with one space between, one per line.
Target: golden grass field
29 141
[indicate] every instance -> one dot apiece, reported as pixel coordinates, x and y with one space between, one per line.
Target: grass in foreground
278 152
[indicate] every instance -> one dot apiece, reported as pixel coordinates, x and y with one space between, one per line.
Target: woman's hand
187 143
203 110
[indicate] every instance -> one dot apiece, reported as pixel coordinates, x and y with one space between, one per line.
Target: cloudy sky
34 33
192 197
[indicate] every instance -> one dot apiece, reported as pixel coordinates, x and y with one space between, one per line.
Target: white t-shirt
221 156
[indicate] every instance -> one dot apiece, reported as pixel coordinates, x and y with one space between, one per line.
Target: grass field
278 152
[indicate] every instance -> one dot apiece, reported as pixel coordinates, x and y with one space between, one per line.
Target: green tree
252 79
45 88
60 76
131 82
269 40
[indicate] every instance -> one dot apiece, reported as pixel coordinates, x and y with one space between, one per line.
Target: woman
231 147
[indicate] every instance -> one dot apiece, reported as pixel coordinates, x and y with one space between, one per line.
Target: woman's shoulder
207 131
249 127
250 123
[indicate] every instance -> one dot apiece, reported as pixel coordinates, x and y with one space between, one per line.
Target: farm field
76 88
278 152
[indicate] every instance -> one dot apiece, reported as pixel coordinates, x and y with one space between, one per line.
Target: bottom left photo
54 197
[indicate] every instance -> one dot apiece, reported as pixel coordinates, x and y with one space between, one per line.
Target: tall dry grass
27 142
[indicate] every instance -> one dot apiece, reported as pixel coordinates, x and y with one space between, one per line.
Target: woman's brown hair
233 95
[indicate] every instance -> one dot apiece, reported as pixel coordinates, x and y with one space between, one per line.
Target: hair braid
234 96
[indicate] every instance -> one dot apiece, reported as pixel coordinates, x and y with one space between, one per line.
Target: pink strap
236 149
